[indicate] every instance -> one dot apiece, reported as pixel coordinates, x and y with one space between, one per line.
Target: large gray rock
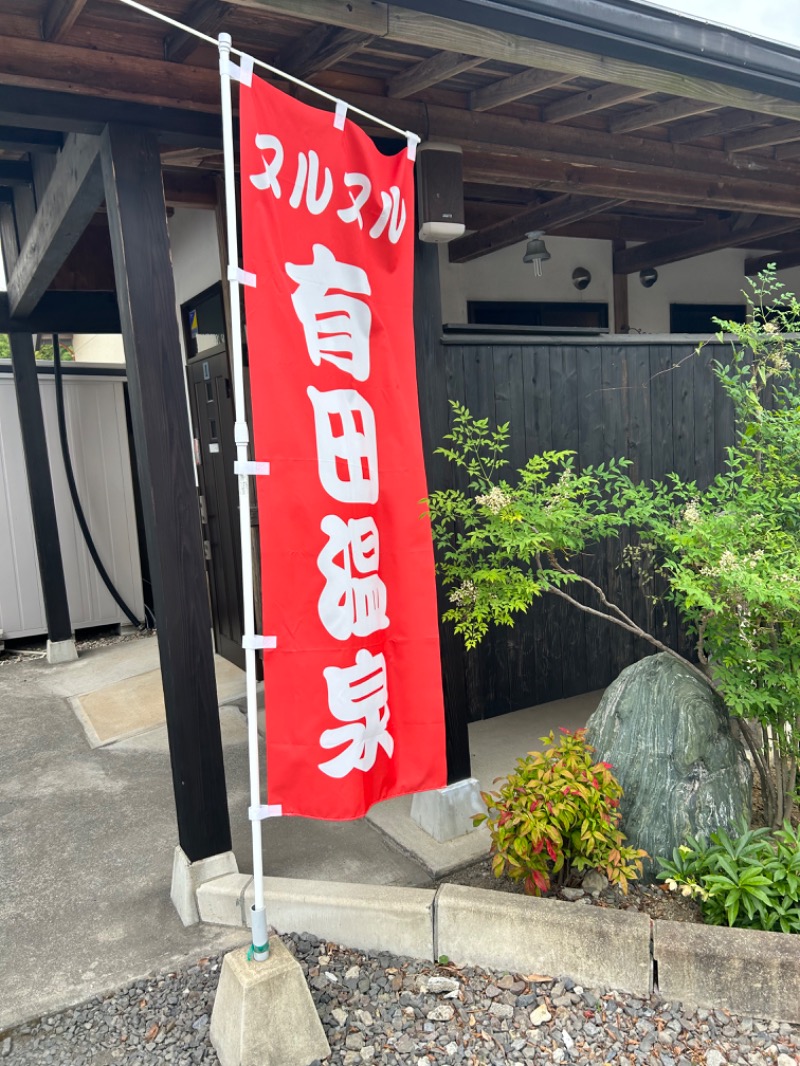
668 738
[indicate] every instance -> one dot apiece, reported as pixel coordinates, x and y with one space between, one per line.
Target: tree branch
618 618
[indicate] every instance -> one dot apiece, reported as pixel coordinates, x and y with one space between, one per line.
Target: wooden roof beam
323 47
206 16
525 137
530 172
518 86
72 196
716 126
60 17
783 261
783 133
715 234
594 100
429 72
559 212
671 111
394 22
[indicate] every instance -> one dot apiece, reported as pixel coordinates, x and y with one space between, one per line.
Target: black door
211 395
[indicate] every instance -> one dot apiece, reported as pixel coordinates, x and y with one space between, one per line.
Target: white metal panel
21 604
97 434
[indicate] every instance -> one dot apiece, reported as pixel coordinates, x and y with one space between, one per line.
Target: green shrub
751 881
558 814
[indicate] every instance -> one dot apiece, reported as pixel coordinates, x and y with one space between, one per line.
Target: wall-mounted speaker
440 192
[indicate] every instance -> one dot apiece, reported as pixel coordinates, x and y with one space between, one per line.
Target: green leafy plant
497 542
558 814
751 881
727 555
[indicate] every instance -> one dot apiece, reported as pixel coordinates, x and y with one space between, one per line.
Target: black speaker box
440 192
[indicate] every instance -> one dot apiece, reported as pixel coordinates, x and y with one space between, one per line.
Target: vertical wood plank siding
655 403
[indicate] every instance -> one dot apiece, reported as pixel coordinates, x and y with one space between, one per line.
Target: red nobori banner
353 690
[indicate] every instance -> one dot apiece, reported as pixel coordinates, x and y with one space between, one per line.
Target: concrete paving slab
86 841
136 703
103 666
495 745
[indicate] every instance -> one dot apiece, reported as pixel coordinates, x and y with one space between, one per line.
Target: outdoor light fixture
581 278
536 251
648 277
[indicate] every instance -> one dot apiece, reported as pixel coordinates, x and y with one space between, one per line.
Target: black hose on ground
73 490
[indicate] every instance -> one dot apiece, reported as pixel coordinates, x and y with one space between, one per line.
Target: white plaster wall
503 276
707 279
195 251
98 348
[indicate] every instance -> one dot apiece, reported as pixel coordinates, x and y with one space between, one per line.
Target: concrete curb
745 970
524 934
365 917
748 972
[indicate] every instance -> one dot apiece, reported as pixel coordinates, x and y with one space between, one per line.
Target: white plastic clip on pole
260 948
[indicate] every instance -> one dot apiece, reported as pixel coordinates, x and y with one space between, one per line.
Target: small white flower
495 500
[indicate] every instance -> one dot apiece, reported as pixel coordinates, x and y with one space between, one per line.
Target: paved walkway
87 835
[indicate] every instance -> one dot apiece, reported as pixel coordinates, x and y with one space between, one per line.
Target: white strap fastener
341 115
412 140
241 433
241 71
244 277
258 643
251 469
265 810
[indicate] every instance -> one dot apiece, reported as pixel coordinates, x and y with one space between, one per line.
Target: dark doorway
211 398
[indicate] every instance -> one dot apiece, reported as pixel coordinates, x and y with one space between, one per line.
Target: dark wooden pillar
40 487
434 415
146 294
621 316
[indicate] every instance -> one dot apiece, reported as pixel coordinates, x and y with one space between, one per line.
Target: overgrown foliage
729 552
751 881
557 814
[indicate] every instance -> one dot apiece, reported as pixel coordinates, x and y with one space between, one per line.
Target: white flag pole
260 945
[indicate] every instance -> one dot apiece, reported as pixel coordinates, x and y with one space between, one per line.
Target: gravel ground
387 1010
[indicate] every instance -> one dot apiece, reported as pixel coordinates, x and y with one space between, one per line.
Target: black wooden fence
659 404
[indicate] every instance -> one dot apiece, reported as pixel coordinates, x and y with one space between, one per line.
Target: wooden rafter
397 23
715 234
430 71
323 47
60 17
204 15
782 260
671 111
782 133
716 126
69 202
593 100
559 212
529 140
142 81
692 190
787 151
516 87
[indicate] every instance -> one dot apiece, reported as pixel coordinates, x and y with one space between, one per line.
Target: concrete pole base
188 876
61 651
263 1013
446 813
